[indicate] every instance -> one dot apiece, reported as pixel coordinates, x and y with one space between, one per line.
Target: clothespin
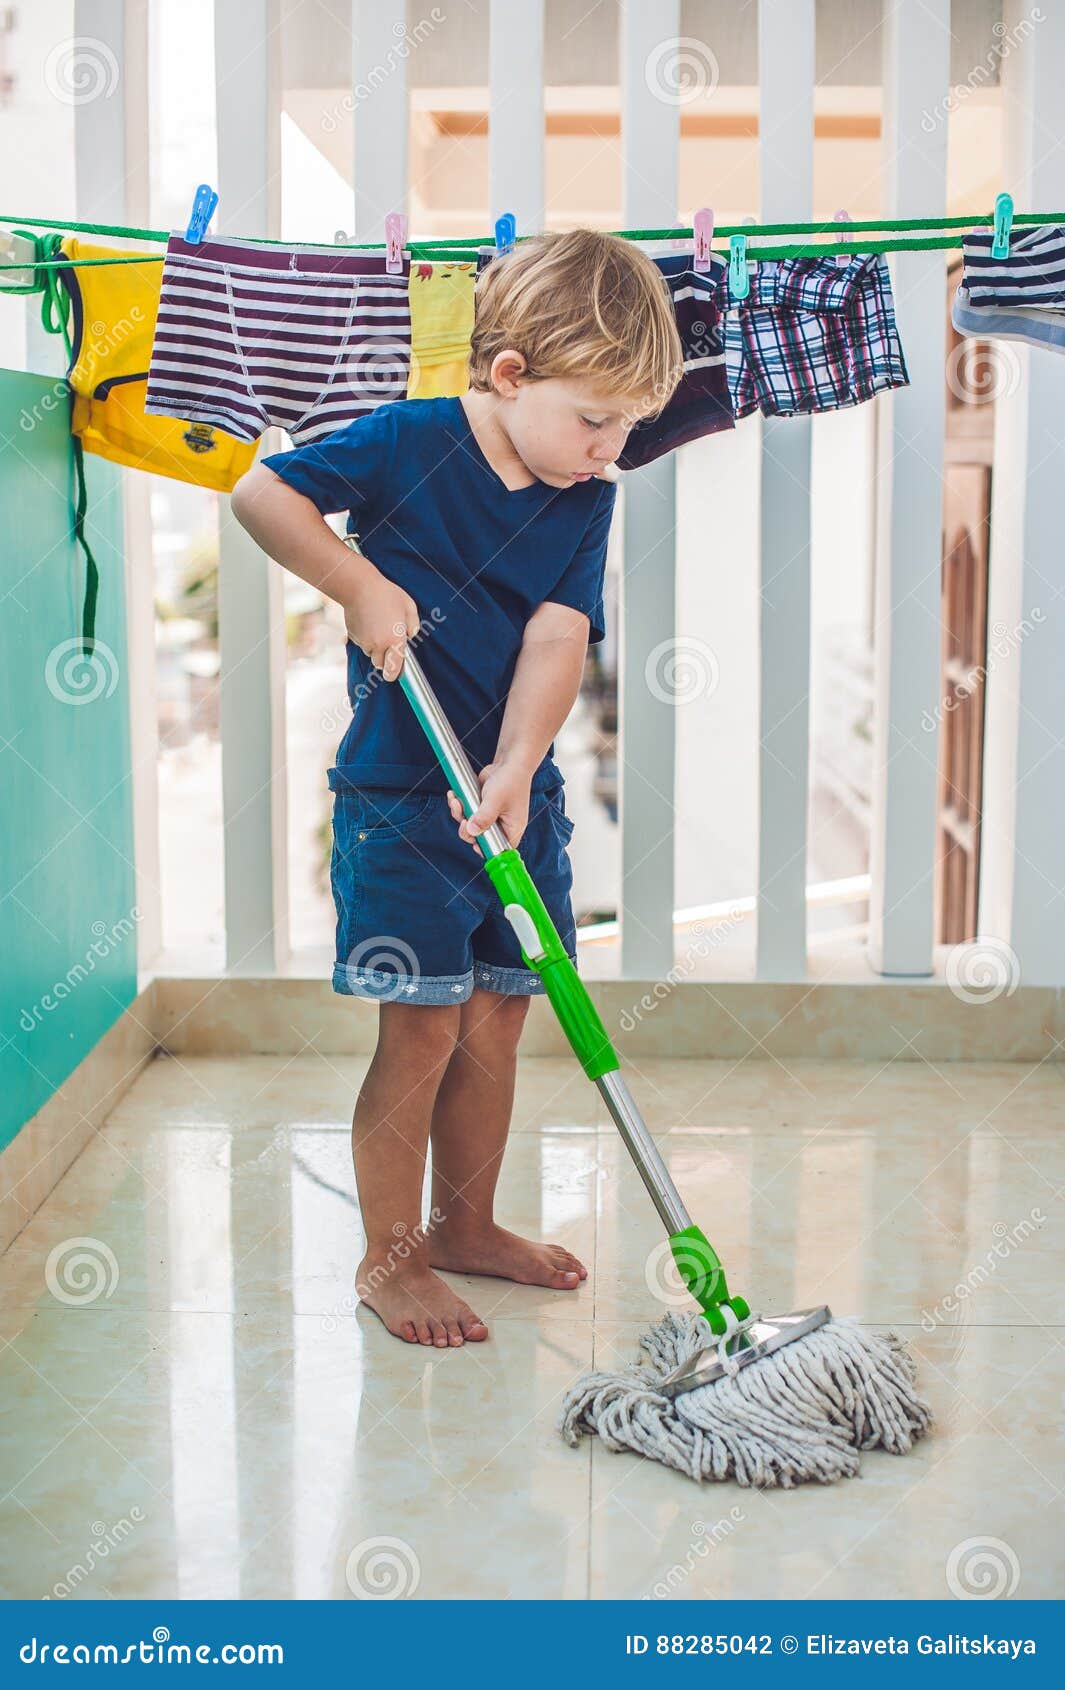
395 241
17 249
739 281
1000 244
203 208
842 258
506 233
702 235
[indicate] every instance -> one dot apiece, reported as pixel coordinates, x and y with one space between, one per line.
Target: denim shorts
418 919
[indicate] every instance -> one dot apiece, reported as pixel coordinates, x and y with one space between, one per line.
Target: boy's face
563 430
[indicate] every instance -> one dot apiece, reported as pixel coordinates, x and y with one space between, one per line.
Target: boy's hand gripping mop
725 1393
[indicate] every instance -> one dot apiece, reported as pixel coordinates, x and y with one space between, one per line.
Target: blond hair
580 304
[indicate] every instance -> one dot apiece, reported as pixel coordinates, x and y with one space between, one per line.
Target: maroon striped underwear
302 338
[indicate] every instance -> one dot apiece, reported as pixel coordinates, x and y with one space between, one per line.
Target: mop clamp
700 1268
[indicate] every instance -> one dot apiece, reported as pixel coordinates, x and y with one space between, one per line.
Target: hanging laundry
302 338
1008 322
1020 297
702 403
112 311
441 326
1032 276
812 335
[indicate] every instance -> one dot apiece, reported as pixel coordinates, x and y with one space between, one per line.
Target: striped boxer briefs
812 335
701 404
1033 275
250 336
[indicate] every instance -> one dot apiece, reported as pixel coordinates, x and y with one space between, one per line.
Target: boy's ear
508 367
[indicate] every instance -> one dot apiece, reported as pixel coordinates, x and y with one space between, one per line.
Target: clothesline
467 247
176 392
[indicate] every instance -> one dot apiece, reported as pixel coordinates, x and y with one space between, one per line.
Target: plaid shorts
812 336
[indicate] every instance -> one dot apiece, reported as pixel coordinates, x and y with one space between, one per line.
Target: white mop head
799 1414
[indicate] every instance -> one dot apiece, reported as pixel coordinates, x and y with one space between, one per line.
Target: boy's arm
543 690
290 529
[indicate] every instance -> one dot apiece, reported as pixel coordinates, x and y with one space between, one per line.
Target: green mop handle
543 951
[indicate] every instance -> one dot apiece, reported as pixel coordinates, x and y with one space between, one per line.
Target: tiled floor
201 1410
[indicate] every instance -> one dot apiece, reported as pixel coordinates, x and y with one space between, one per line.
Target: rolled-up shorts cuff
515 982
401 988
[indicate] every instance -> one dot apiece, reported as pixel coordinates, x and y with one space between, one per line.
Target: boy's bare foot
417 1306
494 1250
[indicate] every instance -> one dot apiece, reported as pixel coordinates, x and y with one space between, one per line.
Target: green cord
465 248
55 318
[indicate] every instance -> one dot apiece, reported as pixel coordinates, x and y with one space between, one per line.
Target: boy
482 527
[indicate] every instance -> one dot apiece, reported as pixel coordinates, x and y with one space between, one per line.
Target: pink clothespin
395 241
842 258
702 235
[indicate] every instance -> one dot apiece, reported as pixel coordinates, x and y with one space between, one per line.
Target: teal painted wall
68 922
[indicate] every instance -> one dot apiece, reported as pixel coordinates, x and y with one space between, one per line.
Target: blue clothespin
203 207
739 282
1000 245
506 232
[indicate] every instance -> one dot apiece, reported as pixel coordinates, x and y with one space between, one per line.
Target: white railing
1024 858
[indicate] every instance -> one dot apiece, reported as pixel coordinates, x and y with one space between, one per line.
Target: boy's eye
590 422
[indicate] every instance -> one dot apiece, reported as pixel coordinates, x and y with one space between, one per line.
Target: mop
721 1393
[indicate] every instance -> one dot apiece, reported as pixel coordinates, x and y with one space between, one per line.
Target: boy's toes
454 1332
408 1333
568 1270
473 1327
439 1332
424 1334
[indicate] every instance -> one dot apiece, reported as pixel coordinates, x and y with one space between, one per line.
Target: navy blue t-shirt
434 517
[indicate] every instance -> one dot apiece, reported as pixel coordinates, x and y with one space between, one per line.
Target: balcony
821 910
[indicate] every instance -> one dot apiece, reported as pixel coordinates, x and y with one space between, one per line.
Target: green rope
465 248
55 317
